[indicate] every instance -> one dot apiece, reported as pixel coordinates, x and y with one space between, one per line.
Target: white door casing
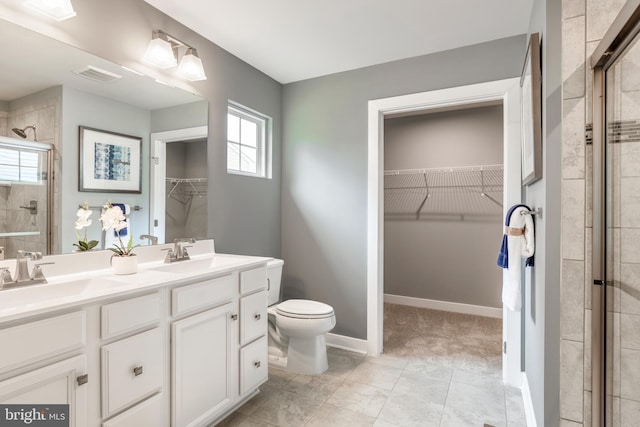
507 91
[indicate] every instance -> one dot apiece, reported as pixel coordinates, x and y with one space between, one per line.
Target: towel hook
537 212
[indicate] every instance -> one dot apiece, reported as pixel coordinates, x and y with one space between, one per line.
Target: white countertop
91 284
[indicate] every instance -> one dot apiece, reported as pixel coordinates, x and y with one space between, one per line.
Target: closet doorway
179 184
505 93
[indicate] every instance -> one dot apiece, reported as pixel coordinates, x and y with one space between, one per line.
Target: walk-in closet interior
443 205
186 187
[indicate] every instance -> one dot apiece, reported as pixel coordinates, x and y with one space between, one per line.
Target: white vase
124 264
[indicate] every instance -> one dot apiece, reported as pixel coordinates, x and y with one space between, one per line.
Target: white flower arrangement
113 218
83 222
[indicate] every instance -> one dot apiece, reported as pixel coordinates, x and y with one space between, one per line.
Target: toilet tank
274 275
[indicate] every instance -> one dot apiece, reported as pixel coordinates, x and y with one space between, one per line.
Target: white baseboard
477 310
347 343
528 403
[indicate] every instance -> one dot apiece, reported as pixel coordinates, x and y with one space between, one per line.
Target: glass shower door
25 192
622 238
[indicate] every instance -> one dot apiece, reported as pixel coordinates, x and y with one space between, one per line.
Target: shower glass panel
622 230
25 192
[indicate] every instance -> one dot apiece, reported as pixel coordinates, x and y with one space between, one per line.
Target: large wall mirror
48 92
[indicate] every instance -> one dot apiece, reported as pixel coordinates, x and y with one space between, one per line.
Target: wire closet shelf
185 189
443 192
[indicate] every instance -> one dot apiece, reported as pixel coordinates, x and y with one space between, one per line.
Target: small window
19 165
247 142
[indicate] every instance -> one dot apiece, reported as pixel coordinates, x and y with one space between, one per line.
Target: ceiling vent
96 74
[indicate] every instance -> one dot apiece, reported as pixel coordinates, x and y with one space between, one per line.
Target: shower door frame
622 32
50 150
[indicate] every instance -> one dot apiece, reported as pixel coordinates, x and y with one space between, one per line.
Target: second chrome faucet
179 251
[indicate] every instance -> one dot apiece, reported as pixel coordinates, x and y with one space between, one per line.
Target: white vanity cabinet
174 350
132 367
59 378
203 368
253 329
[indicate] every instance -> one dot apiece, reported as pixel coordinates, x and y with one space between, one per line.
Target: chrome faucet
179 251
152 239
22 276
22 264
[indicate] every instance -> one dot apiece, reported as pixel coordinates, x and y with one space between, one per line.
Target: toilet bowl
297 328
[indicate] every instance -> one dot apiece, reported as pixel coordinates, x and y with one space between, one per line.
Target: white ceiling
293 40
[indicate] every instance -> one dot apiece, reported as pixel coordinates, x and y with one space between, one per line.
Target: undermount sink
32 295
197 266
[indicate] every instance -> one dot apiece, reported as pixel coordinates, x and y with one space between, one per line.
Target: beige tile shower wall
45 114
3 122
584 22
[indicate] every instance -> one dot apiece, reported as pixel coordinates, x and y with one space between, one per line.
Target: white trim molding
347 343
529 413
508 92
158 173
456 307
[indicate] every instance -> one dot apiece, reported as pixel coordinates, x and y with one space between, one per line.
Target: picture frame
531 120
109 162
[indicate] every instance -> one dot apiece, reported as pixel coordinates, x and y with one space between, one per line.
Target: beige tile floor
438 369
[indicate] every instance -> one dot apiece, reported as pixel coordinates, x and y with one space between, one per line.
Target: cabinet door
53 384
203 366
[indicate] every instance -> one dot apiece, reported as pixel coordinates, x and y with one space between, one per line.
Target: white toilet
296 328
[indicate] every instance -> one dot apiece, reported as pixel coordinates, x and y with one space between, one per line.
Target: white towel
519 247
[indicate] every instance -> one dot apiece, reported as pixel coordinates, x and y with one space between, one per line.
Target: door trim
507 91
158 168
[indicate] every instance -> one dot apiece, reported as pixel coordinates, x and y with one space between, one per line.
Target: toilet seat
304 309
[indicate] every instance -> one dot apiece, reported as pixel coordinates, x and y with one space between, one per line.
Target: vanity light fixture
160 51
191 66
163 52
55 9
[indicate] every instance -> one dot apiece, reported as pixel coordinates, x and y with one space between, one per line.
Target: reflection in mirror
25 195
57 88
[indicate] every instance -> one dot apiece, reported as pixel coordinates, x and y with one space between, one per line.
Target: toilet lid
304 308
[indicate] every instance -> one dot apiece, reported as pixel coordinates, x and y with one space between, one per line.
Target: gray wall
542 291
180 117
444 259
175 215
85 109
324 184
244 213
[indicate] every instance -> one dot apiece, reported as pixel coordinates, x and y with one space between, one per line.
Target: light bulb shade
160 53
191 66
55 9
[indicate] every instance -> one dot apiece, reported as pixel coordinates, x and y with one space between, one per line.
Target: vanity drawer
132 369
147 413
36 341
130 315
203 294
253 280
253 365
253 317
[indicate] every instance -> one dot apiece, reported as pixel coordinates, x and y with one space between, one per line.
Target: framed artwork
109 162
531 124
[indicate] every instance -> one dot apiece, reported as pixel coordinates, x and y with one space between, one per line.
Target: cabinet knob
234 316
82 379
256 364
257 316
137 370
